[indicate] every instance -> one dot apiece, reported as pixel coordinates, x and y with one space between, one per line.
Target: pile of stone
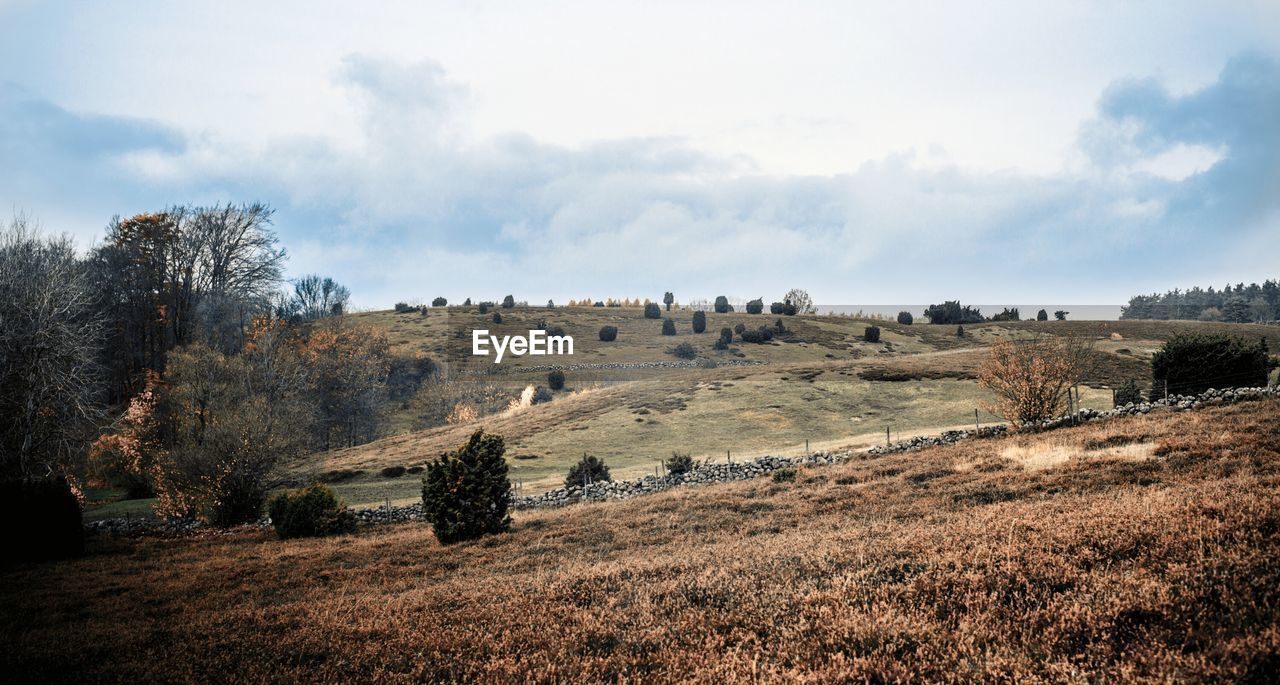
945 438
660 364
701 474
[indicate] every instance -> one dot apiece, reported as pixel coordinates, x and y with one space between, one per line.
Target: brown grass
950 564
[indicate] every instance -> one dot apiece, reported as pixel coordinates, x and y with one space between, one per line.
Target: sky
871 153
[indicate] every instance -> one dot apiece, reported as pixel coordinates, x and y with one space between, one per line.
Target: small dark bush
497 317
466 302
779 327
755 306
1042 315
959 331
758 336
589 469
1007 315
310 512
684 351
393 471
1060 315
699 321
740 328
668 327
668 298
414 470
508 302
608 333
679 463
541 395
614 303
722 305
39 520
726 338
784 475
871 334
484 307
439 302
784 308
555 379
465 494
652 311
598 304
404 308
905 318
339 475
1127 393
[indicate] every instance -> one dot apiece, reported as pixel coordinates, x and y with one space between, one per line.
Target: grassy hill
1138 549
821 383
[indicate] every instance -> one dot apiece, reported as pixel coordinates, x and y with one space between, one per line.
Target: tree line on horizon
1240 303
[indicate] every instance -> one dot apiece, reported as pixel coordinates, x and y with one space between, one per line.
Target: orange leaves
1030 378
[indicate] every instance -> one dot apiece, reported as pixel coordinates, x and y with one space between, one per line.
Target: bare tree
801 300
49 336
315 297
1031 378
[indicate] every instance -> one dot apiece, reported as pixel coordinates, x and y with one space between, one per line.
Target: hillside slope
1138 549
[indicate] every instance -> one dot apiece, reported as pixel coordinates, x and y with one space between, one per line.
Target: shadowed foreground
1138 549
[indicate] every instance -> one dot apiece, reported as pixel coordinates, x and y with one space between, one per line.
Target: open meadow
1140 549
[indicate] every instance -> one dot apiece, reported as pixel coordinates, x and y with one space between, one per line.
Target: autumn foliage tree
125 456
1031 378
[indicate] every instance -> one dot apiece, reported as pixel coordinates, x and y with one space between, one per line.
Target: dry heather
981 561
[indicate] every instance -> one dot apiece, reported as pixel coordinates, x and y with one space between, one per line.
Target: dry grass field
1141 549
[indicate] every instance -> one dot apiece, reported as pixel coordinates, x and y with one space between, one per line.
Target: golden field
1138 549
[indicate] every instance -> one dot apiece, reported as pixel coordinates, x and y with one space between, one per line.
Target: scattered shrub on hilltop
1007 314
1189 364
699 321
758 336
726 339
959 331
905 318
951 311
668 326
800 301
312 511
1060 315
755 306
608 333
740 328
1042 315
465 494
652 311
588 470
439 302
668 299
779 327
871 334
684 351
484 307
497 317
784 308
508 302
555 379
722 305
405 308
678 464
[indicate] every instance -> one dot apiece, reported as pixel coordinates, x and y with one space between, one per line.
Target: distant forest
1237 304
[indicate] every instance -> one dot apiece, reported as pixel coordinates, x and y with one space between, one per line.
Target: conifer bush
755 306
589 469
652 311
466 494
699 321
905 318
668 326
679 463
555 379
608 333
872 334
722 305
312 511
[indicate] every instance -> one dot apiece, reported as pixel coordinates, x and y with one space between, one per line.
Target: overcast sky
887 153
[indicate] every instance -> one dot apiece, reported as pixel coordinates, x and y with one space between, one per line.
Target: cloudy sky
885 153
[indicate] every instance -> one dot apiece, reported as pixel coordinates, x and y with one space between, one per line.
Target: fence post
977 427
888 442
